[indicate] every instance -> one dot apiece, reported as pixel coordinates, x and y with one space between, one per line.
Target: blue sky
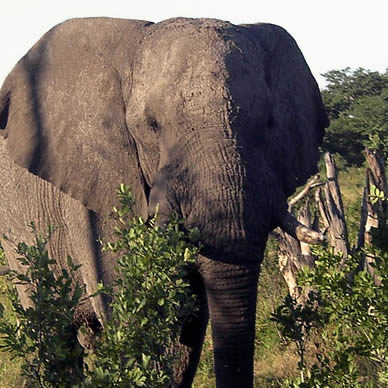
332 34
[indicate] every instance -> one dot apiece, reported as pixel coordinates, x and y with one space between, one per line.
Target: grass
352 182
205 377
9 369
277 365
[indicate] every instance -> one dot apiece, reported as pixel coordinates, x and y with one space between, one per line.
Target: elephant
217 122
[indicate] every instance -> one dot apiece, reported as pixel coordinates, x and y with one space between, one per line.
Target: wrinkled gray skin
217 122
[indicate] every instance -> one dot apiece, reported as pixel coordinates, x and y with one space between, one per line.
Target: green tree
357 104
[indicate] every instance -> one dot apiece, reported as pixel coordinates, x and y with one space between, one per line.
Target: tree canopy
357 104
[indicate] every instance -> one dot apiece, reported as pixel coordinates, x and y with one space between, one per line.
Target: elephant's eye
4 114
153 124
271 121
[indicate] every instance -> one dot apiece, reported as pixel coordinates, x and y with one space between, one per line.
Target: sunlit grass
9 369
352 182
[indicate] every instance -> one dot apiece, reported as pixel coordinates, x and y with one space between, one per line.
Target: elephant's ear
63 114
26 198
298 120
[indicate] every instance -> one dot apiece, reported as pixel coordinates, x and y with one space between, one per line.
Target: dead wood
310 185
332 210
294 254
373 214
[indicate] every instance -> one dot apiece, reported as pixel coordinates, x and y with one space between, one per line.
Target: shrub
150 302
44 335
348 315
151 299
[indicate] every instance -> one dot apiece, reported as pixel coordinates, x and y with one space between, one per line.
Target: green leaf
69 261
23 278
146 360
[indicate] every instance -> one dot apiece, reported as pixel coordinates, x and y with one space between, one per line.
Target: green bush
346 321
150 302
9 368
44 335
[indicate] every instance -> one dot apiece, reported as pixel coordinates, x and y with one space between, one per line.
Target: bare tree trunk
332 210
373 215
294 255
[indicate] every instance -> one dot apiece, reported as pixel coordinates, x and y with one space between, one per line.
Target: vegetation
150 301
344 324
44 336
357 104
9 367
340 333
340 344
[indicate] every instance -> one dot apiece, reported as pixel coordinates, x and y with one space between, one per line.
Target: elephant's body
217 122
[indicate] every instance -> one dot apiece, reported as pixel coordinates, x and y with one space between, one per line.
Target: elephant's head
227 121
217 122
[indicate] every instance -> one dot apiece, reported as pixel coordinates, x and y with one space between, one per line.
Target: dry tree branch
311 184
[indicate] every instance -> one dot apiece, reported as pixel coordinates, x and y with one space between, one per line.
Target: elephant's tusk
293 227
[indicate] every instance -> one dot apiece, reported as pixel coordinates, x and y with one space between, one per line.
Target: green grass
9 369
205 377
352 182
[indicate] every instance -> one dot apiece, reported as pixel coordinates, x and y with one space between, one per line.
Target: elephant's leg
231 291
192 336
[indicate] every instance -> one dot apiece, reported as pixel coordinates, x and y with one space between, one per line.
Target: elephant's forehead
197 63
178 44
169 50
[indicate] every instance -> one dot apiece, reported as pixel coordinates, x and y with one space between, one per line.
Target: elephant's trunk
231 291
235 200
